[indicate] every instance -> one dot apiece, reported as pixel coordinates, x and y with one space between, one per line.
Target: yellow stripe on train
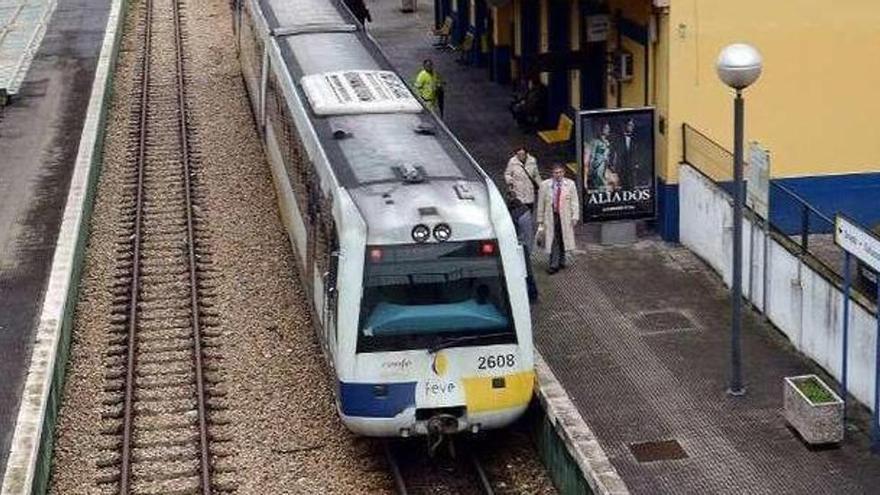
481 395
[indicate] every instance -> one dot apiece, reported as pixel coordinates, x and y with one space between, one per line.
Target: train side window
332 245
332 264
288 142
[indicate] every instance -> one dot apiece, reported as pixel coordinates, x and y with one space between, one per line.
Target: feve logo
440 364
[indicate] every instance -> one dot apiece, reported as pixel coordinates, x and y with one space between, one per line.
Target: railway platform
40 133
638 335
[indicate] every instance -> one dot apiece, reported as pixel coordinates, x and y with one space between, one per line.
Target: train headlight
421 233
442 232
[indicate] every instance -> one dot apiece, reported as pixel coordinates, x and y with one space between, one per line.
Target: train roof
383 152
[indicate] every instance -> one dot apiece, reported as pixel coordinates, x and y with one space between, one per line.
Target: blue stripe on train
359 399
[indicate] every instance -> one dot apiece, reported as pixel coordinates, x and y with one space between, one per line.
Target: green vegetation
814 390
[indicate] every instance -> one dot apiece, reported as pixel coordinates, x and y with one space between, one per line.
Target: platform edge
575 433
29 463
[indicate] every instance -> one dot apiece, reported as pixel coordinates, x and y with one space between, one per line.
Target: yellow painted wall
544 35
501 24
634 91
660 97
517 39
517 28
815 107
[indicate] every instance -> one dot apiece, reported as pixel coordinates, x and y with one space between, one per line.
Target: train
405 247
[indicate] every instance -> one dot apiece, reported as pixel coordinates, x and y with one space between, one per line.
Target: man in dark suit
633 162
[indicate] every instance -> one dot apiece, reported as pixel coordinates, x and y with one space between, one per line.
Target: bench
465 49
442 33
561 134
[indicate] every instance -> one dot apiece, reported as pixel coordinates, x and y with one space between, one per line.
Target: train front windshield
433 296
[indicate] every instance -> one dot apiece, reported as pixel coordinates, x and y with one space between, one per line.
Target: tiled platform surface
638 335
22 24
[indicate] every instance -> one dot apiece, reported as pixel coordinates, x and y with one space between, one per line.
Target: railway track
157 387
418 474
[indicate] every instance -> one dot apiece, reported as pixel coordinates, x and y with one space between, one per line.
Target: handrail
802 201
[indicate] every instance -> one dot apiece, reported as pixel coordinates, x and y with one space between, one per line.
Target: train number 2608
499 361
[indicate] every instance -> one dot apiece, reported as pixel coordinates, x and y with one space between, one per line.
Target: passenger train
404 245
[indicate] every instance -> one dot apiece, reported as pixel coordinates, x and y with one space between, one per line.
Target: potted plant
813 409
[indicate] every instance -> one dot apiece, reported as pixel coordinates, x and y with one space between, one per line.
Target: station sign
758 185
857 241
598 27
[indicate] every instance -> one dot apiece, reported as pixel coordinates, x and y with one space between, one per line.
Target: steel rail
128 416
399 482
128 412
485 484
205 454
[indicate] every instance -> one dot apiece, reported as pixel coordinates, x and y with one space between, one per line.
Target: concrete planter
817 423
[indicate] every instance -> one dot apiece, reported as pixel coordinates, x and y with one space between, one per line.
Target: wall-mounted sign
617 163
758 186
598 27
857 241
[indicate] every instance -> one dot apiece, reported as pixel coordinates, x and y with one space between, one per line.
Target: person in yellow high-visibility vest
430 87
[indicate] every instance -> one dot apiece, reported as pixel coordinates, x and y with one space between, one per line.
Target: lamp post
739 65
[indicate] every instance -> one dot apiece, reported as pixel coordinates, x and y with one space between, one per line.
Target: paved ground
39 136
638 335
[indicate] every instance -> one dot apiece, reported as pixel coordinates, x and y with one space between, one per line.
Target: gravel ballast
280 432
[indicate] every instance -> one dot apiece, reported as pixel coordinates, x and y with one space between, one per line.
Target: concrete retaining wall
803 301
567 446
30 457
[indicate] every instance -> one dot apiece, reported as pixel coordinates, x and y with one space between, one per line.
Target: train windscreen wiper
445 343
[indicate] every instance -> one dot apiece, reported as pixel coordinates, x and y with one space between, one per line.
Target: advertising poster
617 164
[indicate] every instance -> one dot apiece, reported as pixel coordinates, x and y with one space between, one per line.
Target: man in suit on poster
632 157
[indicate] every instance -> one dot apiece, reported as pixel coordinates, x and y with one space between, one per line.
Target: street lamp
739 65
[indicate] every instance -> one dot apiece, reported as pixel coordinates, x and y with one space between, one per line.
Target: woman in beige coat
522 177
558 212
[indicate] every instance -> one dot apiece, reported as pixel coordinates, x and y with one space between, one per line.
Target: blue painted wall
461 21
667 211
500 64
855 195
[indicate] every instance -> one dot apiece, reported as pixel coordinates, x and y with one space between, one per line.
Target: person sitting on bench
528 108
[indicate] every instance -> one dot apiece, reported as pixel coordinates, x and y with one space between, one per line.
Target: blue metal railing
790 214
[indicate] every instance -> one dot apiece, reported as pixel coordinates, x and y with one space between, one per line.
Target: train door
313 194
264 79
331 291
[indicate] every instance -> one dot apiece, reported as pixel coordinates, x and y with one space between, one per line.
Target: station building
814 107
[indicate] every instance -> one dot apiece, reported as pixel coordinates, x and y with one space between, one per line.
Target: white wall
802 304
